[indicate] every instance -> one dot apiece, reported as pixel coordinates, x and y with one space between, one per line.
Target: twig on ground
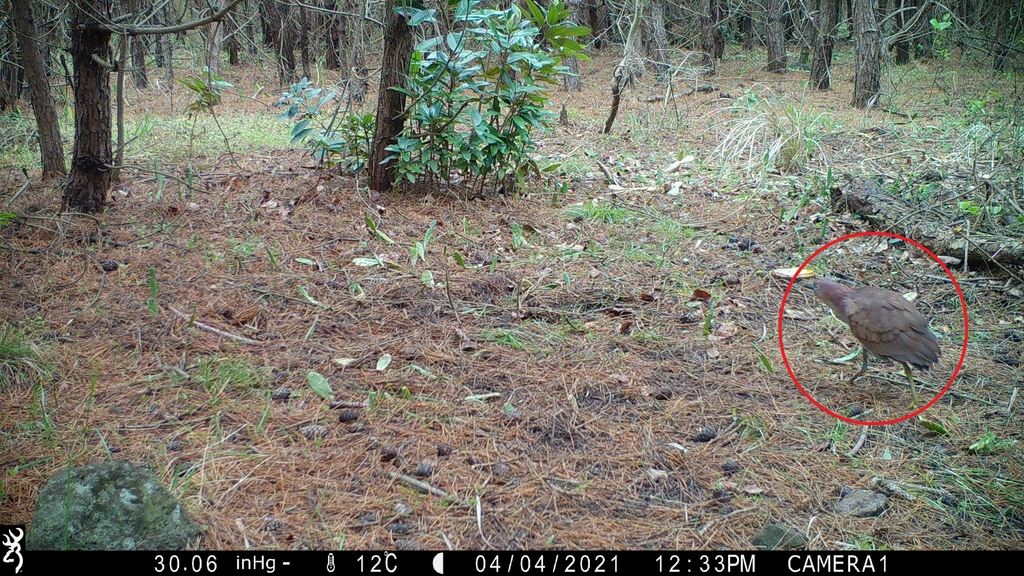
860 442
209 328
418 484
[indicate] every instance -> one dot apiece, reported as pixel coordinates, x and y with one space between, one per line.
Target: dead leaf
701 295
656 475
246 316
727 330
790 272
799 313
467 344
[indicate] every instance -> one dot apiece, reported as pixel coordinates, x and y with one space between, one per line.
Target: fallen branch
860 442
209 328
418 484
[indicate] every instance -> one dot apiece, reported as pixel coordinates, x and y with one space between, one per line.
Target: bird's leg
913 388
863 367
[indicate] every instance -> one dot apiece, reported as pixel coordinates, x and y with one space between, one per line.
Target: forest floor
603 369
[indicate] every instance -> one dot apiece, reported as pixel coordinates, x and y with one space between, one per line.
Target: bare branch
339 13
158 30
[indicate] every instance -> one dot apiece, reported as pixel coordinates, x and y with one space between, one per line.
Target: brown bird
885 323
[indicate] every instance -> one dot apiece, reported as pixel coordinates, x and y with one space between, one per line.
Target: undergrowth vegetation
476 95
762 132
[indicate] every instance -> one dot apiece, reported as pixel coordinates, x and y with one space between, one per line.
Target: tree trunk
139 46
808 31
51 147
212 38
390 103
774 12
867 75
571 81
746 25
165 51
89 181
11 75
925 44
303 41
708 26
719 10
656 40
1001 49
359 75
279 33
821 64
902 45
849 17
335 57
600 22
231 40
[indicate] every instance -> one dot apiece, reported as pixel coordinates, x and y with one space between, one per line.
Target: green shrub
477 93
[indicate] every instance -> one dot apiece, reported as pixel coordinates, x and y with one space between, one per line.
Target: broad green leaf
320 385
305 294
933 426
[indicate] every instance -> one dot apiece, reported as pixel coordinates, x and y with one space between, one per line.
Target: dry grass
570 374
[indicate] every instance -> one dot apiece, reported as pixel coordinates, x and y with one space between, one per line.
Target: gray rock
108 506
862 504
779 537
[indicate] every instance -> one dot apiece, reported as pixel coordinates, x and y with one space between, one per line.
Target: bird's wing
888 325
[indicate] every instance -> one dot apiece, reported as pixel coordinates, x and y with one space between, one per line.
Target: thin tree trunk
335 57
821 64
628 67
903 45
600 22
808 31
123 56
140 44
51 147
165 51
390 103
89 181
231 41
774 13
867 75
279 34
303 41
359 75
1001 49
571 81
212 38
707 34
719 10
12 76
746 25
656 38
925 44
